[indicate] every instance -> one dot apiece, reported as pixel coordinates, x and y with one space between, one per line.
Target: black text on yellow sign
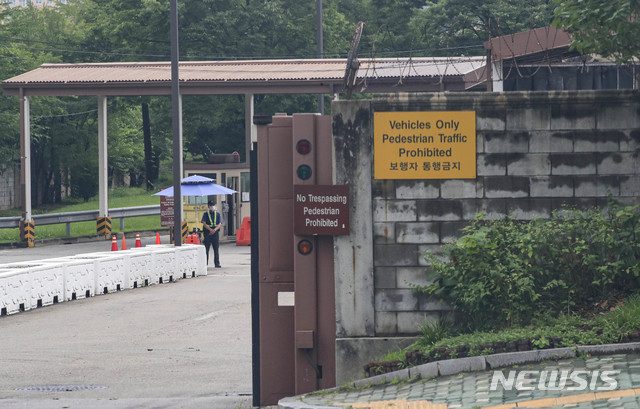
425 145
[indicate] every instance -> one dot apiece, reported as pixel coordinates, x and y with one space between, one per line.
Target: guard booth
293 280
233 208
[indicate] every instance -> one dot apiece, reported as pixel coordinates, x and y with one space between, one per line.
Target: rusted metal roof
543 42
233 77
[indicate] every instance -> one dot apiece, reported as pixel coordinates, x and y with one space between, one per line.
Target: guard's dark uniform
212 219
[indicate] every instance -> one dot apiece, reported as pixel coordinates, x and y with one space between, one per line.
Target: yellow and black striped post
104 227
185 230
28 232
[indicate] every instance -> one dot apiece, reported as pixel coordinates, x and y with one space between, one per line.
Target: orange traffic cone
157 238
189 239
138 242
124 242
196 239
114 244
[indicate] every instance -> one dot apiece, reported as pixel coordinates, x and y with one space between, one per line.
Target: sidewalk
477 383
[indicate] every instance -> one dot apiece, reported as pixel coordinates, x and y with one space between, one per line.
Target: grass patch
118 197
609 323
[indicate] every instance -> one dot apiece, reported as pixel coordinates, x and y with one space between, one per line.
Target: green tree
15 61
134 30
213 124
337 29
34 36
221 29
387 28
59 141
606 27
458 27
239 29
138 30
125 150
131 30
22 50
120 30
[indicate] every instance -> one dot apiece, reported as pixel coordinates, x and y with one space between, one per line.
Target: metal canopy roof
249 77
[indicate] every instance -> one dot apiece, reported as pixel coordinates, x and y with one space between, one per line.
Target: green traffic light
304 172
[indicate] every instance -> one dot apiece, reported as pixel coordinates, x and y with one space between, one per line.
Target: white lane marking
210 315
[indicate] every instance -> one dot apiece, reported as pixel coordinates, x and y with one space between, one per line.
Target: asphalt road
40 251
185 344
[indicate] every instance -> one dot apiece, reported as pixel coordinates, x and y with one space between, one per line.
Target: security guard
212 223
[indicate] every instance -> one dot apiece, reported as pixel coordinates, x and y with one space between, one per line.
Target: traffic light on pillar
305 255
304 170
305 247
304 167
304 153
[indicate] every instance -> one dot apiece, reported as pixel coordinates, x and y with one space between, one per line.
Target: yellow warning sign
424 145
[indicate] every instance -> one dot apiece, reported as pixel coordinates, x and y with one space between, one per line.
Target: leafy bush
506 272
84 181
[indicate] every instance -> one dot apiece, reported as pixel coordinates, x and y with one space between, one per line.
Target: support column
496 76
320 47
181 136
250 129
25 155
176 123
180 202
178 174
27 227
104 221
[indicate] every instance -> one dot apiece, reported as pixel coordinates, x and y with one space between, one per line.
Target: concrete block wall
38 283
536 152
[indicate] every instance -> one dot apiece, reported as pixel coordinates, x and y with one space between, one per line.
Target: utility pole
175 121
319 43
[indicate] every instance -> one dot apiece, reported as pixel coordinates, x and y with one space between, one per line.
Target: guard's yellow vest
215 218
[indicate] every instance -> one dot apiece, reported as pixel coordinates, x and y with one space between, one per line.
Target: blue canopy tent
196 185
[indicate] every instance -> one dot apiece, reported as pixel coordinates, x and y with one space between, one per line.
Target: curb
295 403
472 364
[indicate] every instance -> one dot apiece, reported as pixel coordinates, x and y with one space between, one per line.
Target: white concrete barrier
140 268
108 270
163 260
190 261
15 291
79 277
47 285
38 283
42 283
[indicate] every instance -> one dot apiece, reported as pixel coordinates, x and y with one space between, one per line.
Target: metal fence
82 216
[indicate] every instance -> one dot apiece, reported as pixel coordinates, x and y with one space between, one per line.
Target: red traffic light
303 147
305 247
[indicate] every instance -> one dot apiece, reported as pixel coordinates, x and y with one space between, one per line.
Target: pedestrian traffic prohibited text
425 145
